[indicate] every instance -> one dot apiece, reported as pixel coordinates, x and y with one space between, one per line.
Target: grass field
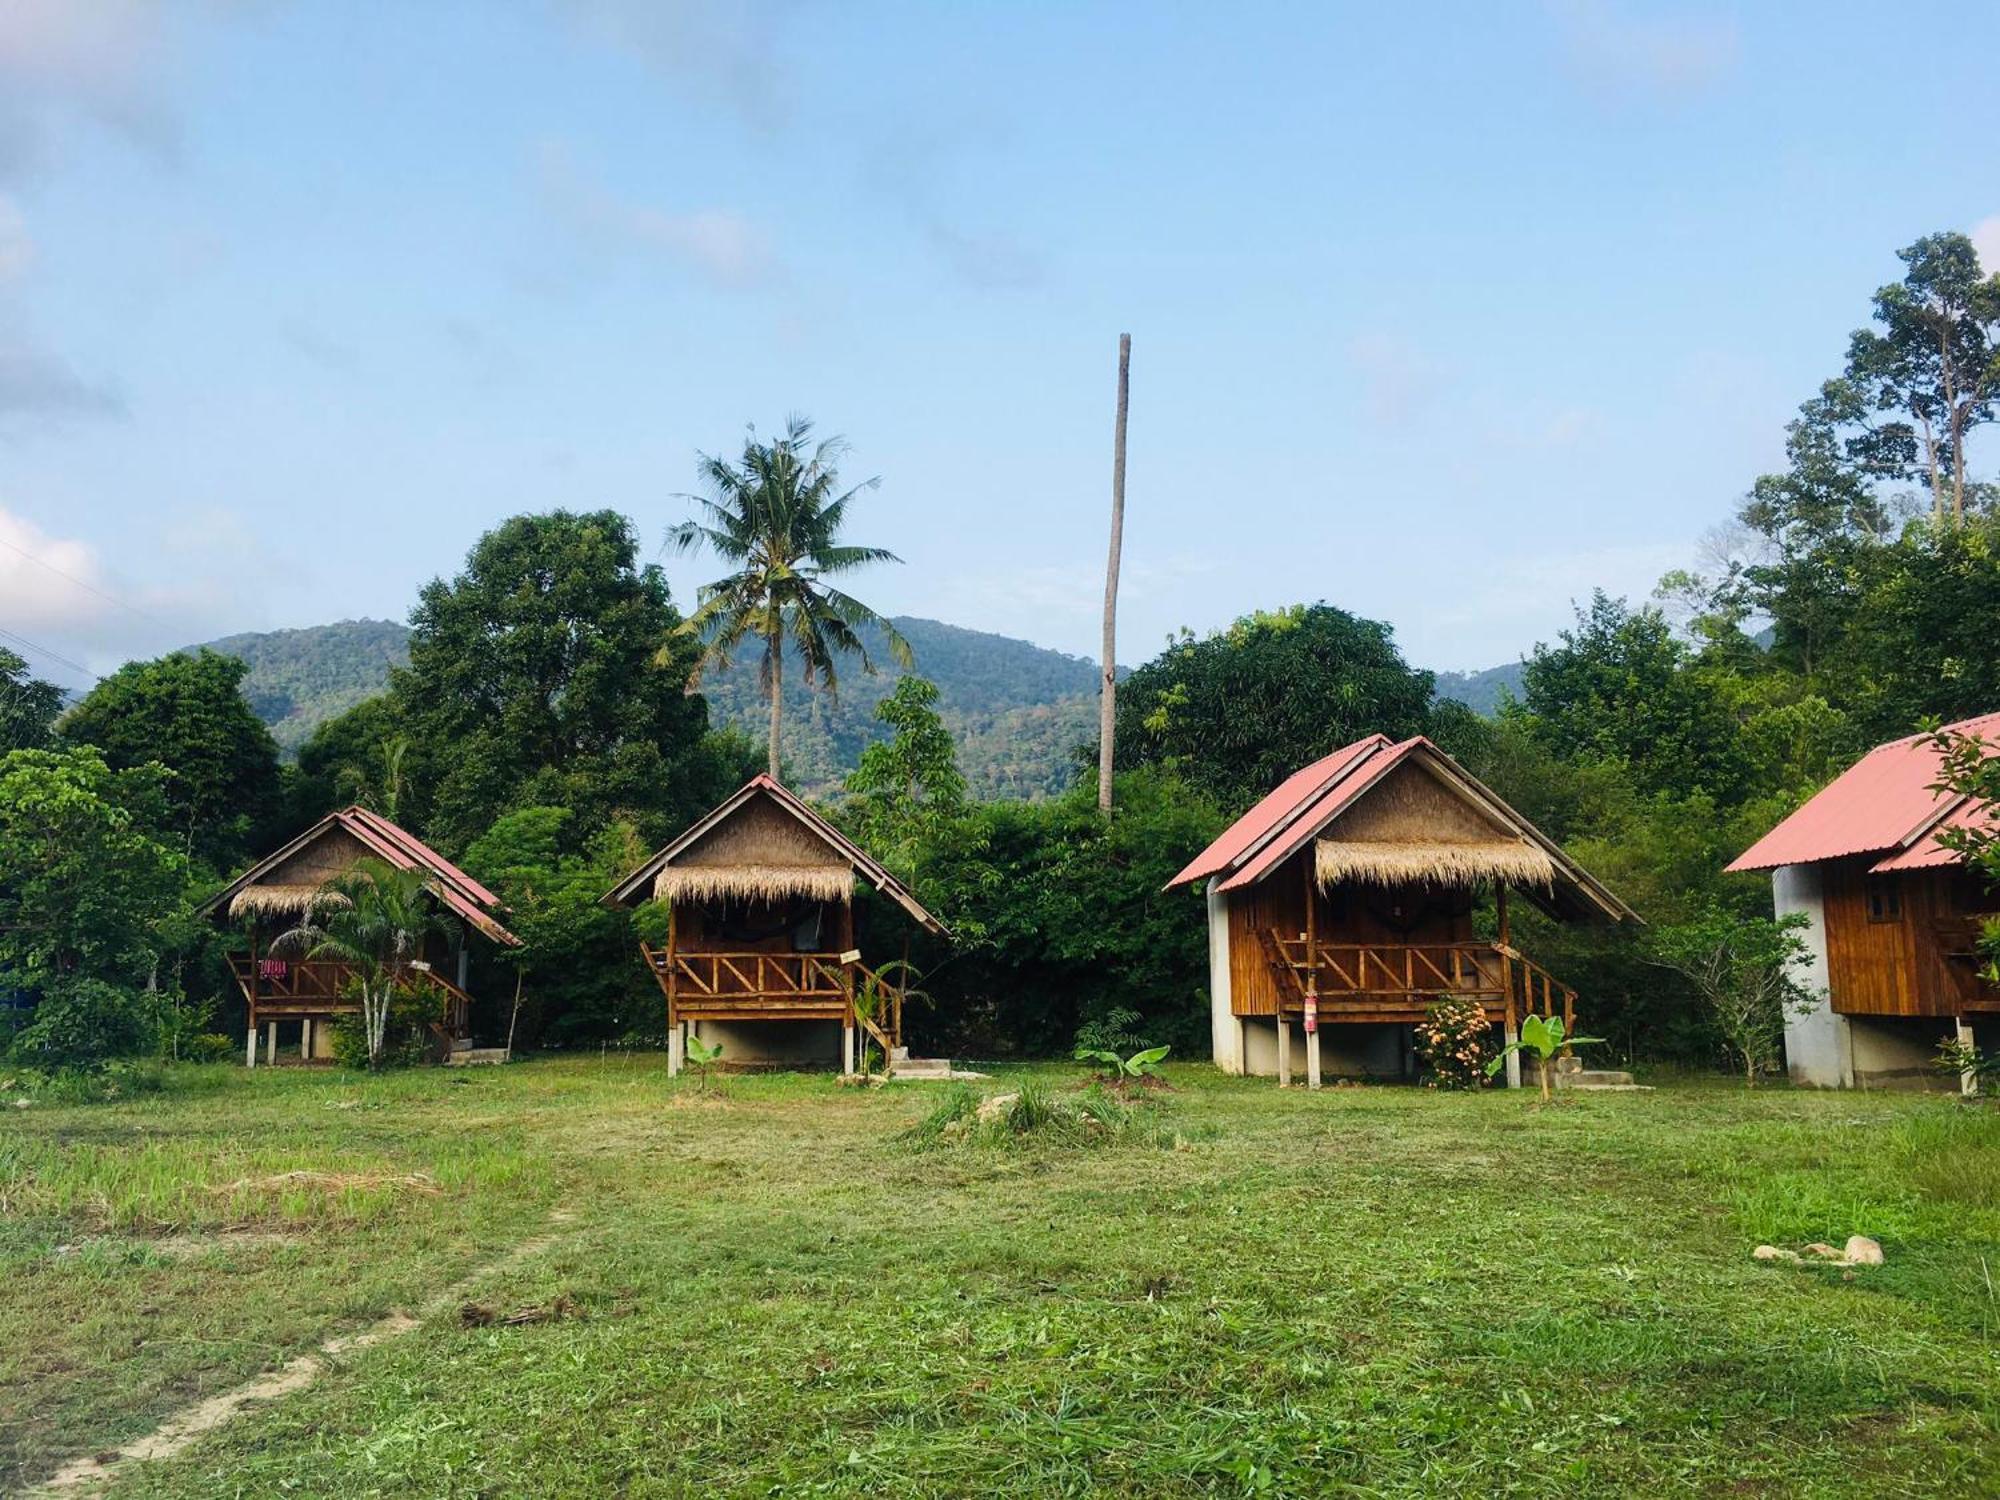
1363 1291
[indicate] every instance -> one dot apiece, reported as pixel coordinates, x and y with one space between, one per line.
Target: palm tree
374 918
776 516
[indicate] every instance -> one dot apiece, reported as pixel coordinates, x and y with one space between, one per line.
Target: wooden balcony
1398 981
703 986
278 989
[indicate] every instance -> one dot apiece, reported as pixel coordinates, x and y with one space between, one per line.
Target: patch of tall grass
1038 1114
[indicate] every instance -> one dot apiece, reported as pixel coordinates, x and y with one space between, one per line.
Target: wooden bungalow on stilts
760 953
1892 920
305 996
1340 908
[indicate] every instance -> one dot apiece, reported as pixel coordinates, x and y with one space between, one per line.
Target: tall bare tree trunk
1107 703
775 645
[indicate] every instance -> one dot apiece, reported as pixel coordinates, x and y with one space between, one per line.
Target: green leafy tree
551 672
375 919
1061 921
28 706
776 517
186 712
1920 382
86 887
1746 972
577 961
1236 712
1622 686
906 788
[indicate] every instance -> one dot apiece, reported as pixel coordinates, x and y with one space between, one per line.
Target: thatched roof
761 853
763 844
1400 813
1412 829
293 879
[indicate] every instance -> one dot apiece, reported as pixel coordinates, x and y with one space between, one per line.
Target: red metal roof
1927 853
1275 809
1882 802
1307 800
396 846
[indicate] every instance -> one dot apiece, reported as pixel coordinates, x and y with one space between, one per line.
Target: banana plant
1110 1065
702 1057
1542 1038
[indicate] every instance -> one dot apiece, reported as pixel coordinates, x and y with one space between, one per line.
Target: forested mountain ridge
1481 691
1017 710
298 679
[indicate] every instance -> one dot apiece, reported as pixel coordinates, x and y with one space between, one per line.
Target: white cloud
1622 49
99 58
730 50
59 591
32 565
35 384
1986 240
720 243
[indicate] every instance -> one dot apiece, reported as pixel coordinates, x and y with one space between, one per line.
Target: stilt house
760 952
293 1001
1340 908
1893 919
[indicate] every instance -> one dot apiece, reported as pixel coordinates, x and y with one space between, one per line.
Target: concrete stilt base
1512 1034
1312 1059
1284 1053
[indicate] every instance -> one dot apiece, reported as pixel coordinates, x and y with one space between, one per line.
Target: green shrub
407 1041
1454 1039
83 1024
1038 1115
208 1047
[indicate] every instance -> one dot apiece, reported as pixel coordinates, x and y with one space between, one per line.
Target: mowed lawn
1372 1291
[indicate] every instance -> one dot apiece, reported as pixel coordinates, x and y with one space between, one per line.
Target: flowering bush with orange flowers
1454 1039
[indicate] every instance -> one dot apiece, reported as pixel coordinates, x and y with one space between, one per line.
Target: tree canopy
186 713
28 706
1235 712
551 671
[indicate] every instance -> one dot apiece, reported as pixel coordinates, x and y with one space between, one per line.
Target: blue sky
1444 316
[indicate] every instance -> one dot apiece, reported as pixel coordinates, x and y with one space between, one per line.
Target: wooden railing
774 986
1360 977
295 984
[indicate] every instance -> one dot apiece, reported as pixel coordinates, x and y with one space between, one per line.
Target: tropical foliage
1543 1038
375 919
776 517
1235 712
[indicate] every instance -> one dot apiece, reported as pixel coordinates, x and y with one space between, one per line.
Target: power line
55 656
143 614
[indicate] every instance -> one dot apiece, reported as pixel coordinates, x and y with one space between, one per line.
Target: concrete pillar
1225 1028
676 1049
846 1051
1819 1045
1510 1034
306 1040
1968 1081
250 1048
1312 1058
271 1043
1284 1052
